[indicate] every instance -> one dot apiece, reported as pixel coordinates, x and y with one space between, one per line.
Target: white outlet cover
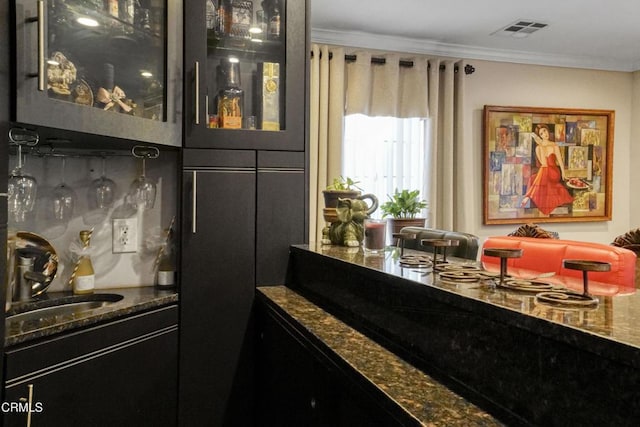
125 235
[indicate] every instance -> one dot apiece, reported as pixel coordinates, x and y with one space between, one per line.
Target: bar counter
524 362
423 400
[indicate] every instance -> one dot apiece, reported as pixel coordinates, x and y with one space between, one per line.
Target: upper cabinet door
104 67
245 83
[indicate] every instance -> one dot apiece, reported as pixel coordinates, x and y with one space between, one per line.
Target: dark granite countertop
135 300
610 328
495 347
419 395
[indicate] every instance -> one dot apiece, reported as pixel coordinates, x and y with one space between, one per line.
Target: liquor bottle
273 30
210 16
230 96
211 20
242 18
127 10
224 18
83 277
166 272
111 6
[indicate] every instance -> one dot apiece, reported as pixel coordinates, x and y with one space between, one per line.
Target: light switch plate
125 235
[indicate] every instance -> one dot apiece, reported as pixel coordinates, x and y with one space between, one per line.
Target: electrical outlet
125 235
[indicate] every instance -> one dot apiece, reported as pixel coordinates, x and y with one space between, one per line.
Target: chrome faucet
25 266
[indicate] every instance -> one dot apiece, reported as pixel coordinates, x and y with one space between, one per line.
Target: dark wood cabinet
299 384
244 198
281 216
217 287
206 52
242 211
121 373
83 67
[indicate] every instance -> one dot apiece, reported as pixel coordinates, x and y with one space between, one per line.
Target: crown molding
428 47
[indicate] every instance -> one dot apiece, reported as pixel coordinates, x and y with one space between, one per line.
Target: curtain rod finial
469 69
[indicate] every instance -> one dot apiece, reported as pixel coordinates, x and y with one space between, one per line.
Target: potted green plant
341 187
402 209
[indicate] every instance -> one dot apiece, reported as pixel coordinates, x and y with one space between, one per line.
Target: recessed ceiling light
520 29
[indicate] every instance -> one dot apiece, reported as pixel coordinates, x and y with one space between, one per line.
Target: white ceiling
599 34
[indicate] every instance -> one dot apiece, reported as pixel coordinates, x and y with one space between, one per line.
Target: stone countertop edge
622 346
136 299
419 396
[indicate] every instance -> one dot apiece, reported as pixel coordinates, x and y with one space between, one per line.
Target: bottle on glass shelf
210 15
111 6
83 280
231 95
224 18
127 10
273 30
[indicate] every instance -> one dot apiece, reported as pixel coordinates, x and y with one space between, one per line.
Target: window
384 154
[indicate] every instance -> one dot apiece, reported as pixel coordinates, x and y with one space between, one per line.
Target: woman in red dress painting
545 188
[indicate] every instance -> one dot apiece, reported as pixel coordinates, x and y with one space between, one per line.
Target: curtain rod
468 69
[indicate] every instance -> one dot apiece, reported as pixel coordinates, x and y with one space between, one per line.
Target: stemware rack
28 142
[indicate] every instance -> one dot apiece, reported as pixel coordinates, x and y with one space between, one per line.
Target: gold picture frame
547 164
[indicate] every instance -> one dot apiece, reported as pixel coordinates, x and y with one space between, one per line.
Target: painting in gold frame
547 164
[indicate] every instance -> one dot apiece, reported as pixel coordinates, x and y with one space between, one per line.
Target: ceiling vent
520 29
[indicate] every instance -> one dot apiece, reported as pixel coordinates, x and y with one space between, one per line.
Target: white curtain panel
430 88
387 89
447 157
327 91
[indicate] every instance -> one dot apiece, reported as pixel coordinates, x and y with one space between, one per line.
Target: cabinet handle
197 70
194 228
40 19
30 388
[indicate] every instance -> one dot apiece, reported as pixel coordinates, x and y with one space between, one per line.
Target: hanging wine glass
143 191
102 191
63 198
21 191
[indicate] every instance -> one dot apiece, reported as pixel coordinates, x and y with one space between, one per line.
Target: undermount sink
48 308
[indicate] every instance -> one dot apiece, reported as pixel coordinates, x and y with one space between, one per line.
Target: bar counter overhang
522 361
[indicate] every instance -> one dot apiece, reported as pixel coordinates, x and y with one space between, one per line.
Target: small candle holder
586 266
504 254
439 243
401 238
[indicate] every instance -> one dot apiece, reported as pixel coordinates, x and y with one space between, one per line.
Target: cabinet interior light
87 22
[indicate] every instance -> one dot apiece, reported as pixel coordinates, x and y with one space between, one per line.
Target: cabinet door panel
123 373
132 386
282 213
217 288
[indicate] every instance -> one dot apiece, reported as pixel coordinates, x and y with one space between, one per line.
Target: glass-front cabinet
245 74
104 67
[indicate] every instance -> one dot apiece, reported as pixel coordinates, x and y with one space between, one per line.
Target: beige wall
634 176
507 84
